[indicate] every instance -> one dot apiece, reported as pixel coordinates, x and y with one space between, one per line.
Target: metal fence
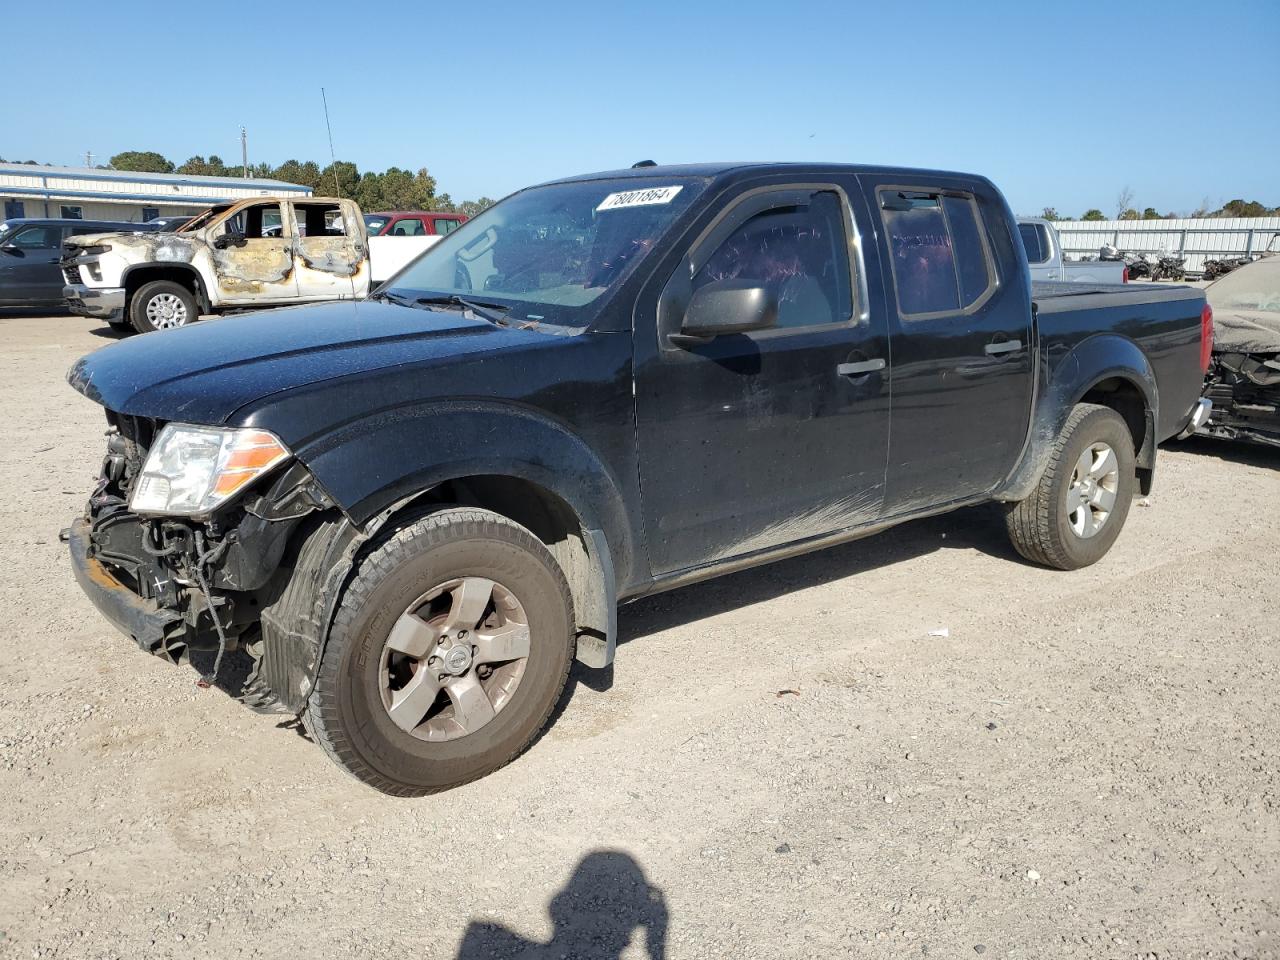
1197 240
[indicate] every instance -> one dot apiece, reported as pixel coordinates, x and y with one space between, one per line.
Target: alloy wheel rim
166 310
453 659
1091 495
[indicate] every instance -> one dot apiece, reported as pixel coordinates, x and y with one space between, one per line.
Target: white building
86 193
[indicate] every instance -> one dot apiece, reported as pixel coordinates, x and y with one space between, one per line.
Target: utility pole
88 158
244 151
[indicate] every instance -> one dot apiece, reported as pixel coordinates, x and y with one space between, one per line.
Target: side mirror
229 240
12 249
726 306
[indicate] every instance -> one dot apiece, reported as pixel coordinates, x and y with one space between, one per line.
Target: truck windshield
204 218
548 252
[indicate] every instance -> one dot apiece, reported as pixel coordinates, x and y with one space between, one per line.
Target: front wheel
449 650
161 305
1078 508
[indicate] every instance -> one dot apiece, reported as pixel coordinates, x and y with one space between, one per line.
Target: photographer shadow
595 915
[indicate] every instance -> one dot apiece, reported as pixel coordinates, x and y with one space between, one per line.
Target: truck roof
756 167
72 221
413 213
268 198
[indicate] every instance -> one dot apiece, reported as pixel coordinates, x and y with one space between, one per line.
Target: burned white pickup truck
248 254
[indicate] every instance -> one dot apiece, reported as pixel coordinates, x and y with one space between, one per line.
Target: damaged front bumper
151 626
176 585
106 303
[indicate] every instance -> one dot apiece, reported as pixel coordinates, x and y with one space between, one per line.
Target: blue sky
1062 104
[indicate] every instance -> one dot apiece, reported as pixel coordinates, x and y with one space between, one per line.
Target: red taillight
1206 337
1124 274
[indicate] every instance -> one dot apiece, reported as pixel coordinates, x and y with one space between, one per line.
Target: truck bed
1162 320
1056 296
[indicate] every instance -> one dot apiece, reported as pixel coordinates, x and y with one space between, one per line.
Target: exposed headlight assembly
191 471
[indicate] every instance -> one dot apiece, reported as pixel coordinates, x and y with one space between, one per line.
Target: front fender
1064 382
372 464
186 269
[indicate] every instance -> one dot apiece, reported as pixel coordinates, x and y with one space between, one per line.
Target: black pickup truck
413 512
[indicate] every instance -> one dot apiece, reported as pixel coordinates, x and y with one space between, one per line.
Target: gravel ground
783 763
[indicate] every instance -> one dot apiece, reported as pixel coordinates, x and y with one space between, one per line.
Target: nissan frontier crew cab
414 512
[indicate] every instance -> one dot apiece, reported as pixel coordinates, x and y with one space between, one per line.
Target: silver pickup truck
1044 256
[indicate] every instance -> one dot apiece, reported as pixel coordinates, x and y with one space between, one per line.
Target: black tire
345 713
1040 526
160 288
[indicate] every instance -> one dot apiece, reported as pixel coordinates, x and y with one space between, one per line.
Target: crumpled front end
1245 391
177 584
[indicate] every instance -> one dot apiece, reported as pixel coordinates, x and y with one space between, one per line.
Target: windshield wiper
485 311
393 297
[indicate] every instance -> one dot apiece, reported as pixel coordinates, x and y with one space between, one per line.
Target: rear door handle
1003 346
859 367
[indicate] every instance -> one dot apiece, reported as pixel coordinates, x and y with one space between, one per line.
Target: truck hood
205 372
1246 331
90 239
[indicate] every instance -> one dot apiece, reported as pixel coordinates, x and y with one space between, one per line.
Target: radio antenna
337 188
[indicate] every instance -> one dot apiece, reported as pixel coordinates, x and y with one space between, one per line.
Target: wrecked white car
251 253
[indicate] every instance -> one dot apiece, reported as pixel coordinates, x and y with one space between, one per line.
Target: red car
412 223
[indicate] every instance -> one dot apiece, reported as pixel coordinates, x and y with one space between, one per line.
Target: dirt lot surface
787 763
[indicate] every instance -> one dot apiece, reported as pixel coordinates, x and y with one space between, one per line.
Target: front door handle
859 367
1003 346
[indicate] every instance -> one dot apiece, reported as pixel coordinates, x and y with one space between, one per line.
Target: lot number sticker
638 198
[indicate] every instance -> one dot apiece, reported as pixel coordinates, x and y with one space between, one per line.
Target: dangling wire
203 556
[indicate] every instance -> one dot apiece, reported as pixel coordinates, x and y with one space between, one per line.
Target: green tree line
1233 208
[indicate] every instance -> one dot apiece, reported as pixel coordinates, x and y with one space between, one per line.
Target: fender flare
202 294
372 473
370 463
1092 361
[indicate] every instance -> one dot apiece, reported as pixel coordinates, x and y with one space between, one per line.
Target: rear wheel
161 305
1078 508
449 650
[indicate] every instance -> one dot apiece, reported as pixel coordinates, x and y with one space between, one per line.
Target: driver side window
37 238
255 223
799 252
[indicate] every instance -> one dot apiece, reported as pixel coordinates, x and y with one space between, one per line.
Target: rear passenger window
924 269
798 252
319 220
941 263
407 228
1033 241
972 264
